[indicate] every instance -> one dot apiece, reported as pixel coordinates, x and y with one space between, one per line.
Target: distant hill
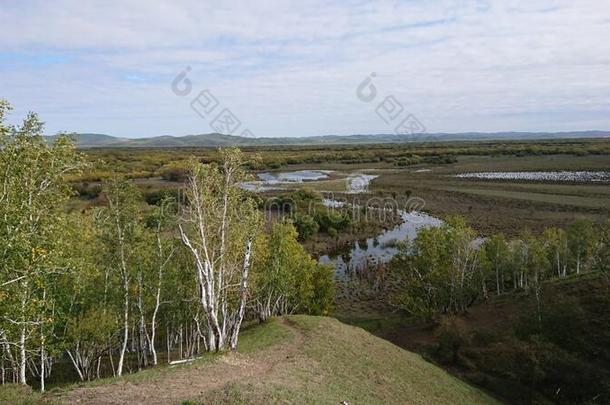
94 140
88 140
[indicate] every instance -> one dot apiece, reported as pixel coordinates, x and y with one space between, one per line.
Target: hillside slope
296 359
502 345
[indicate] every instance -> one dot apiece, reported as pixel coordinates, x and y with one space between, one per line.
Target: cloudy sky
293 68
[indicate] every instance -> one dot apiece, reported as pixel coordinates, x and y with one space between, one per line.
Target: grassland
423 170
504 205
152 162
297 359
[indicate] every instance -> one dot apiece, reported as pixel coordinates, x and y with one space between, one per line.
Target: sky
285 68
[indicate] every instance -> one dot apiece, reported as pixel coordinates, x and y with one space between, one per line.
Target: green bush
306 226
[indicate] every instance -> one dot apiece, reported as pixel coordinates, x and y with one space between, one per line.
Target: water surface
379 250
269 181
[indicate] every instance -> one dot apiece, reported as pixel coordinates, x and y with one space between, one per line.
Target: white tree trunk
22 356
76 363
42 365
243 296
153 329
125 328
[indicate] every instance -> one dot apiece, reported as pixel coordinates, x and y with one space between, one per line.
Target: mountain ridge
95 140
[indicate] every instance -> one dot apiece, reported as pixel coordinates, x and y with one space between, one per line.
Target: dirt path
184 382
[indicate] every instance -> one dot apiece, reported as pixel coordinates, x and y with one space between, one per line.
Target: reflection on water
328 202
298 176
356 183
268 180
363 266
359 183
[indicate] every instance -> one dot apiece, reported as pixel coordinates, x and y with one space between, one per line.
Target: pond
359 183
355 183
298 176
584 176
268 180
363 265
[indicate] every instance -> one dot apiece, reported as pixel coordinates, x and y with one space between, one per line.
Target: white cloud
291 68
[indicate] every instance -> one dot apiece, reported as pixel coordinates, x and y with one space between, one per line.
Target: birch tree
556 244
496 259
218 227
440 272
91 329
33 189
535 266
581 242
287 280
160 223
120 220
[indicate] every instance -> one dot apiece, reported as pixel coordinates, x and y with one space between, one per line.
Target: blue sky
292 68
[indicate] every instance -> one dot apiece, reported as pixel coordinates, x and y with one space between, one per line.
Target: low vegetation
170 163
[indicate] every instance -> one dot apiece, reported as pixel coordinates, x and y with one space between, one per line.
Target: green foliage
34 189
582 239
495 259
323 290
288 280
306 226
154 197
602 251
426 270
556 245
330 219
440 272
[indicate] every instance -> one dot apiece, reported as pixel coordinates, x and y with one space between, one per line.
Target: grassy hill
296 359
561 357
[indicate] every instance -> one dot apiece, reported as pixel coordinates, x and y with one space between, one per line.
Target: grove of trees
446 269
120 285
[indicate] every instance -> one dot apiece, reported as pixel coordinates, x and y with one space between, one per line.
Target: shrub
452 336
306 226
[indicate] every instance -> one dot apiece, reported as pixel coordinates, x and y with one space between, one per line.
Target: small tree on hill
581 242
440 272
288 280
218 227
